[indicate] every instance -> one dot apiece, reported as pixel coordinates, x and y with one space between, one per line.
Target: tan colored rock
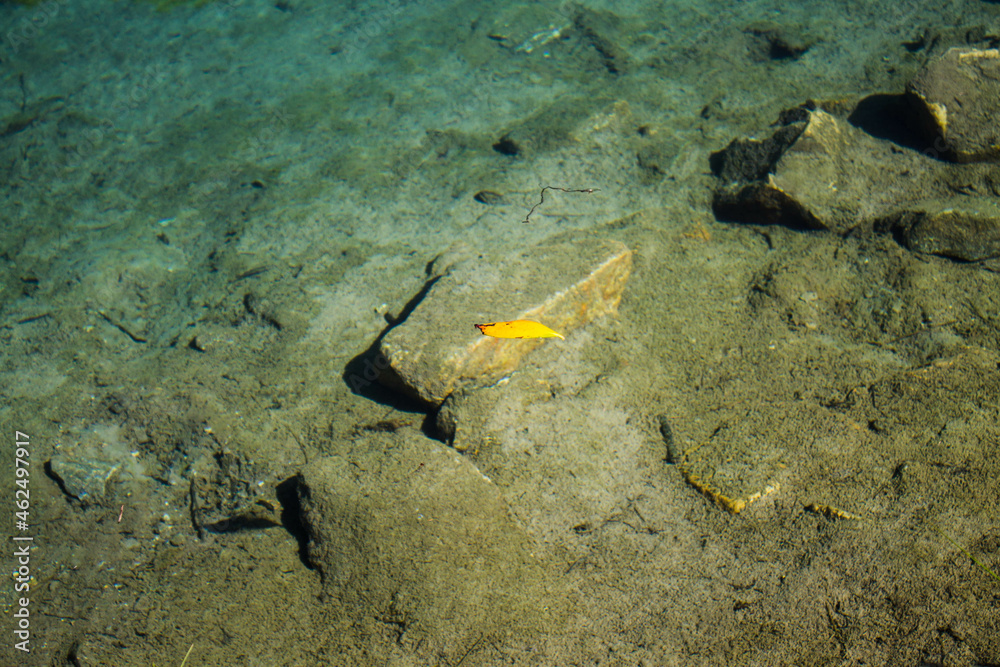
967 228
564 285
957 99
814 174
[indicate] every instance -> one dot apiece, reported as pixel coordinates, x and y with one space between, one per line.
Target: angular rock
957 100
748 160
813 174
85 479
460 420
967 228
564 284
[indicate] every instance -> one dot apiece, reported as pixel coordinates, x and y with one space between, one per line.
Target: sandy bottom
210 212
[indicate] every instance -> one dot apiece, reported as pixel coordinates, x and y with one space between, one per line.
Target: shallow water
212 211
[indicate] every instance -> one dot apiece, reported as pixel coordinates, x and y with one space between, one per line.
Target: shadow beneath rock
892 118
370 375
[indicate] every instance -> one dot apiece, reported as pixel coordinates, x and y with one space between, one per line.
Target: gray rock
84 479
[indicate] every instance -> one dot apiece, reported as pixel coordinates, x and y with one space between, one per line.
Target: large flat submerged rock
564 285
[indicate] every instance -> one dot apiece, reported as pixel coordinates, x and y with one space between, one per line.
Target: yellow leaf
517 329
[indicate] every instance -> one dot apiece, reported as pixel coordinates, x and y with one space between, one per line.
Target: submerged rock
813 173
957 100
967 229
407 532
818 171
85 479
564 285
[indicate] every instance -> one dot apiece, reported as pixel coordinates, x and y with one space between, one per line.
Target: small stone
488 197
507 146
84 479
